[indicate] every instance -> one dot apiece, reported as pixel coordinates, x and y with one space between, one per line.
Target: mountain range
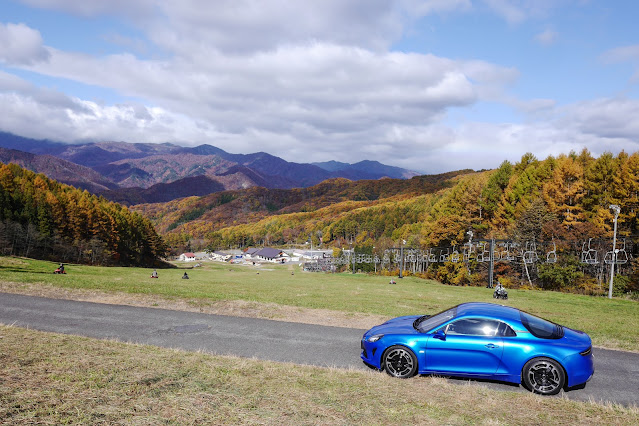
134 173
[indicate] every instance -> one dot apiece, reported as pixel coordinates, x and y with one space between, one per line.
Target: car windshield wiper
419 320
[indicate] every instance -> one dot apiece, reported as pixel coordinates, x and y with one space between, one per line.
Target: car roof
489 310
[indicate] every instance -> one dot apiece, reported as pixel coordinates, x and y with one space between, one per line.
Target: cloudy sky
428 85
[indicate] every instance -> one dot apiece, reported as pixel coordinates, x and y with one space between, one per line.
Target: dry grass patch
50 378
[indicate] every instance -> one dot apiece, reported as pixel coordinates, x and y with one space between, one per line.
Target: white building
187 257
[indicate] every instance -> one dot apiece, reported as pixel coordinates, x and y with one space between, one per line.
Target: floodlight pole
374 260
353 259
615 208
492 262
401 259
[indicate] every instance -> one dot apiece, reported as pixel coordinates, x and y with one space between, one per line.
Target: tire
399 362
543 376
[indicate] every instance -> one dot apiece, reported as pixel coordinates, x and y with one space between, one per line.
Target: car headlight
375 337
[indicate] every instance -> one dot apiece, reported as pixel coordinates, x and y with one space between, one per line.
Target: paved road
616 373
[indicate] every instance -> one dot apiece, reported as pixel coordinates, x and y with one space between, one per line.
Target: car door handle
492 346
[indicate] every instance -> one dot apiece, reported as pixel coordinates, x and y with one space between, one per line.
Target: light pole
310 238
470 247
615 208
353 259
401 259
375 263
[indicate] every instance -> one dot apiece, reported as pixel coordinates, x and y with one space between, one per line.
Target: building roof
268 252
189 254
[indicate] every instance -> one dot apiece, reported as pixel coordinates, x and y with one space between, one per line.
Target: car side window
473 327
505 330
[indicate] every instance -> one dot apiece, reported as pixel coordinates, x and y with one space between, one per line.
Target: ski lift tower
616 210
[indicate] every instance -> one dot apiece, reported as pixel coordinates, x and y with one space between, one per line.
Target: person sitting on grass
185 276
154 274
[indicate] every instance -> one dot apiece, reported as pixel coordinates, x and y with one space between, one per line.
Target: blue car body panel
498 357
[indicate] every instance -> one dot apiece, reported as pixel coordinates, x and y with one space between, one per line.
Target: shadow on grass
498 383
29 271
477 380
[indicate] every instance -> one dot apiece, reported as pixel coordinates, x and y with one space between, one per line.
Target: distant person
154 274
185 276
61 268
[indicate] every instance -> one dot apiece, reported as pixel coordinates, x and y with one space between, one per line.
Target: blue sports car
482 340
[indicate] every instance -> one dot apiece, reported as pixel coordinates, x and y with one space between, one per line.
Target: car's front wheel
543 376
400 362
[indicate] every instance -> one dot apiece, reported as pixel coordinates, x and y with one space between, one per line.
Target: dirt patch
238 308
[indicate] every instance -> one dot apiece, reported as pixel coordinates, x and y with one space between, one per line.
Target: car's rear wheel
543 376
400 362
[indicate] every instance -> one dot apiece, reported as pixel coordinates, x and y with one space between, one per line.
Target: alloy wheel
544 377
399 363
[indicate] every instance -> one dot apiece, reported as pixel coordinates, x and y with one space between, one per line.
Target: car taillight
586 352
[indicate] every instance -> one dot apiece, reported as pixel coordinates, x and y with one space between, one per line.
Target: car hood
399 325
576 337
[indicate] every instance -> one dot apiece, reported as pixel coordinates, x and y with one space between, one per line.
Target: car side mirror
440 334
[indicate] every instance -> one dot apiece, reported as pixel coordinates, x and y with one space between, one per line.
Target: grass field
611 323
48 378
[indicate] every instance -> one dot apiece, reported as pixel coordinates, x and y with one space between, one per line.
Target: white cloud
21 45
135 45
547 37
518 11
329 88
428 146
91 8
307 81
512 13
10 84
624 54
194 27
609 118
426 7
247 25
68 119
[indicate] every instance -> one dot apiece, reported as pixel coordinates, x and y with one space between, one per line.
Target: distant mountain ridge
368 167
144 172
61 170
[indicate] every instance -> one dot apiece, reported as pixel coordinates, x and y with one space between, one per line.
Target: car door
467 345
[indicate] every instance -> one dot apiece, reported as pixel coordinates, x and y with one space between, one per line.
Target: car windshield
427 323
541 328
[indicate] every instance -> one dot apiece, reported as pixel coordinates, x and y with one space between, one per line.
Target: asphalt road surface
616 376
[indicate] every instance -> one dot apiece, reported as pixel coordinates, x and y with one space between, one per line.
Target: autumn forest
42 218
561 205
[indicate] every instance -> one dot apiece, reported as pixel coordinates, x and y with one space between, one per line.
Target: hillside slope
42 218
198 216
58 169
565 198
